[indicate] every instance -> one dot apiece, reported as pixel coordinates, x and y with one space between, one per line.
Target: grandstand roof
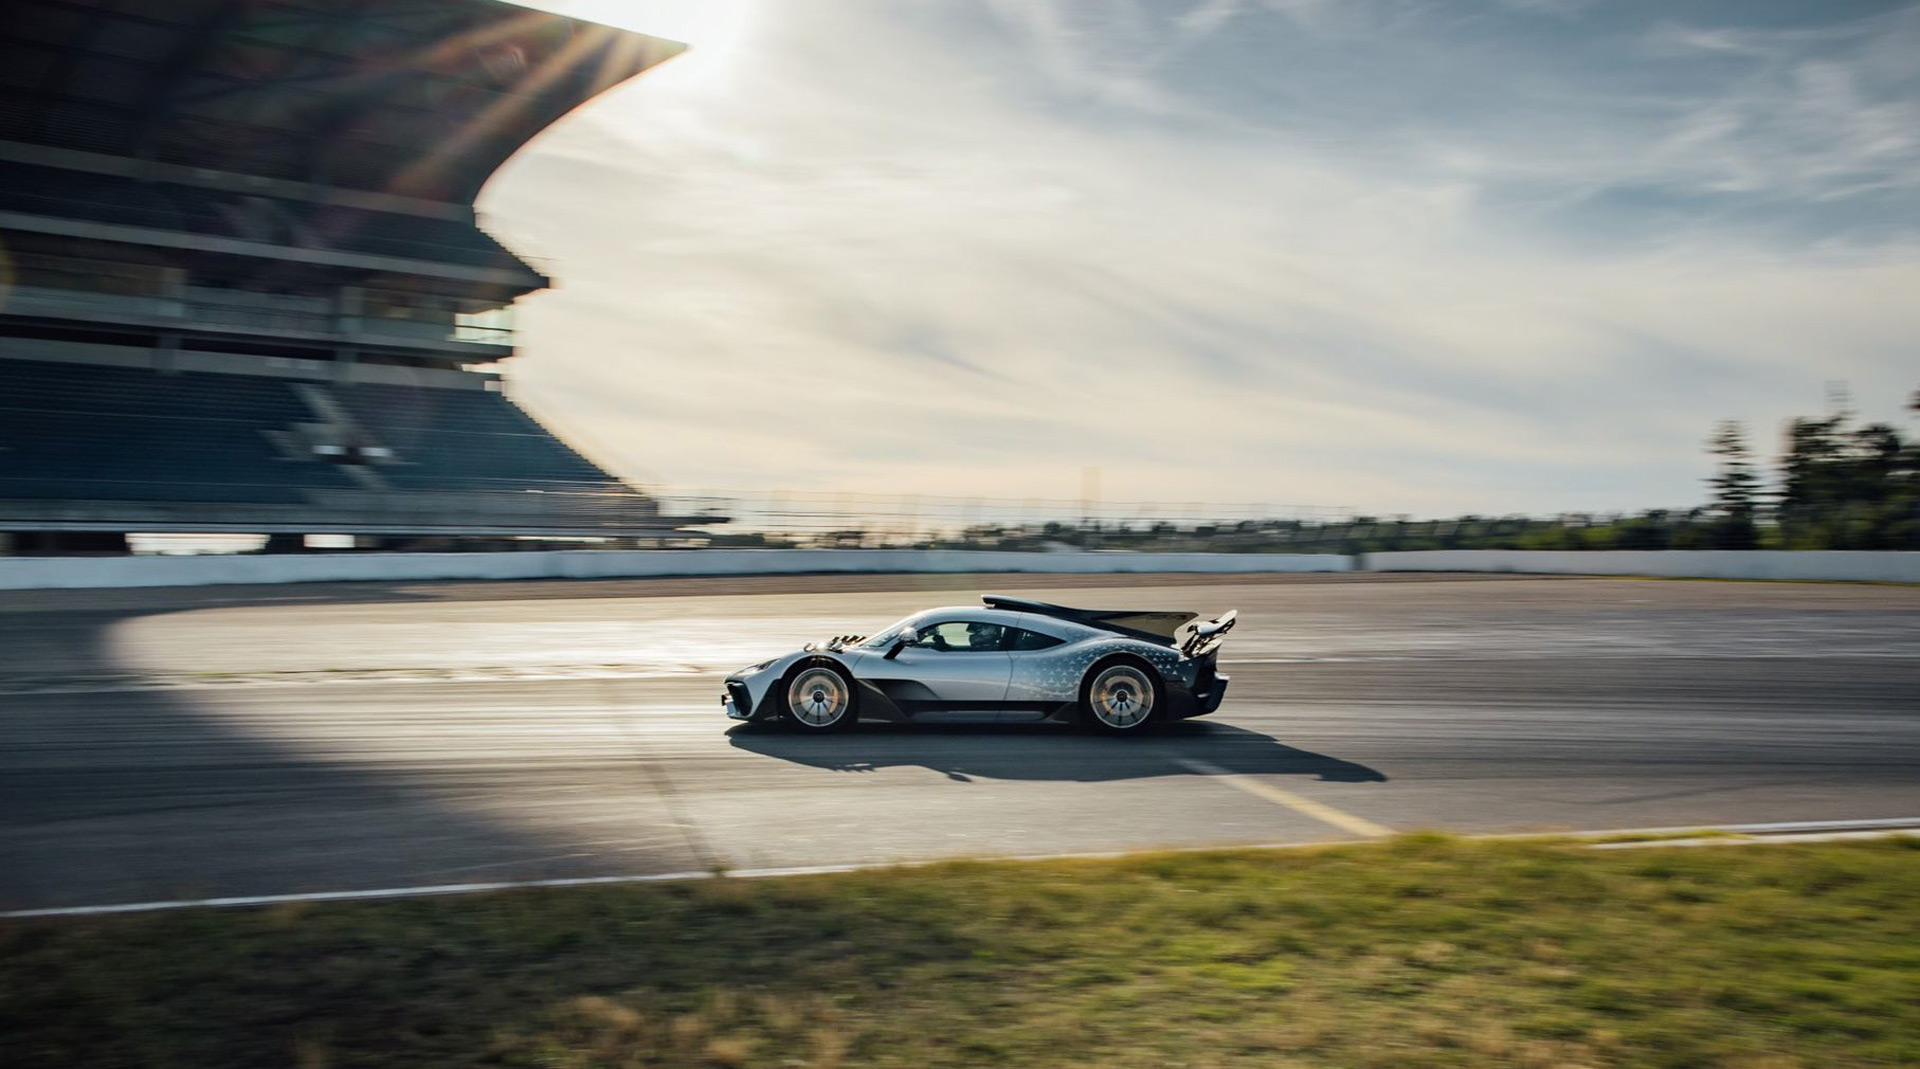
421 98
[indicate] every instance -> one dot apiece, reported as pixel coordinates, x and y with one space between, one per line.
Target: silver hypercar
1010 660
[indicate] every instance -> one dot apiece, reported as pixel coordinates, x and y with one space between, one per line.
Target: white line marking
1818 825
385 893
1794 827
349 896
1326 814
1890 826
1762 840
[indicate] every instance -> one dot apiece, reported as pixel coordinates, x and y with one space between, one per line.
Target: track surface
169 744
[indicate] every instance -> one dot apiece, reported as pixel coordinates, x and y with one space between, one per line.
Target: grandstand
242 284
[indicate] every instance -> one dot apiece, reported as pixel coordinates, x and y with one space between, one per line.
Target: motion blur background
768 310
1225 275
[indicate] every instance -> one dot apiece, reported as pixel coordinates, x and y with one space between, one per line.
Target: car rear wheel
1120 698
820 698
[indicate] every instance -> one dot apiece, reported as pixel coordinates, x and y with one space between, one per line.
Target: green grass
1421 951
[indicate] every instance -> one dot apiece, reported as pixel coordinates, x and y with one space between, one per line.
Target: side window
961 636
1019 640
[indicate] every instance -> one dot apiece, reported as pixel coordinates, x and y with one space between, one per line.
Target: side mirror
902 641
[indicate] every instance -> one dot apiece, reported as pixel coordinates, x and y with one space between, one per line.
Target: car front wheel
820 698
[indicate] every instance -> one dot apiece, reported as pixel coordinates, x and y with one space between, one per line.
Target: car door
954 667
1040 679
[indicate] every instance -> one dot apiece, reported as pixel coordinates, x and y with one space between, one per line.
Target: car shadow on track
1050 752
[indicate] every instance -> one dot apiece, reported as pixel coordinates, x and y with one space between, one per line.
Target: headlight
762 666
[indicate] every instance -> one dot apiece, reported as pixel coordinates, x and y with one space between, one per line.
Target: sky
1400 256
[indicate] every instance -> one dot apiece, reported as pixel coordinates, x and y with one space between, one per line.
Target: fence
825 519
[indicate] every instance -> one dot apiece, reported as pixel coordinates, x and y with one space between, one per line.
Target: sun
700 23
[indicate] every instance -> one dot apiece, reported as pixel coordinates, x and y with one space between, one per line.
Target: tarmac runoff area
174 745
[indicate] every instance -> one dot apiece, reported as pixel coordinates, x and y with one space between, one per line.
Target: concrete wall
41 573
1859 566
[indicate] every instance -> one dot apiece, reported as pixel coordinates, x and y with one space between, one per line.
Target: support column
349 304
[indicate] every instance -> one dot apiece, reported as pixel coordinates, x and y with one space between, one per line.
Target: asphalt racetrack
159 745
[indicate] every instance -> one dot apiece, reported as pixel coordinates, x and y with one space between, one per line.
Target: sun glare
710 28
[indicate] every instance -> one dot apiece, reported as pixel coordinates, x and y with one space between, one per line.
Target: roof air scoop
1160 627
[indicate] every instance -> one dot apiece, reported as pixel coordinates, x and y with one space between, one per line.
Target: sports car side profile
1008 660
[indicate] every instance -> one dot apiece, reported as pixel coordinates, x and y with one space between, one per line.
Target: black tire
1122 696
826 697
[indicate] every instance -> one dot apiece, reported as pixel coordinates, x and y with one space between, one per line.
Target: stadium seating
73 432
465 440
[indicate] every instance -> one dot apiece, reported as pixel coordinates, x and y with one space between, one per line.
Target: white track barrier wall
1856 566
47 573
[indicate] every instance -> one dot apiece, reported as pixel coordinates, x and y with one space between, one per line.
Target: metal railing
264 312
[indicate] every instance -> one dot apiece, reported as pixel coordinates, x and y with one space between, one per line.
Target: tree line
1838 484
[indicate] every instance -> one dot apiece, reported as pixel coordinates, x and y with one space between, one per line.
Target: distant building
242 287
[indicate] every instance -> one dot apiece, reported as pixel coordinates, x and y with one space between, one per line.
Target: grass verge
1420 951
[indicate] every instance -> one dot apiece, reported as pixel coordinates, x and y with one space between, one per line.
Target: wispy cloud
1380 254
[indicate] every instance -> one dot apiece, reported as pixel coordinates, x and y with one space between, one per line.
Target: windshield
886 638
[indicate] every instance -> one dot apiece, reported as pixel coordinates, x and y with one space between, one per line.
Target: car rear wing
1206 638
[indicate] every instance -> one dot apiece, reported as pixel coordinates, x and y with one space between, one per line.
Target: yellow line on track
1326 814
